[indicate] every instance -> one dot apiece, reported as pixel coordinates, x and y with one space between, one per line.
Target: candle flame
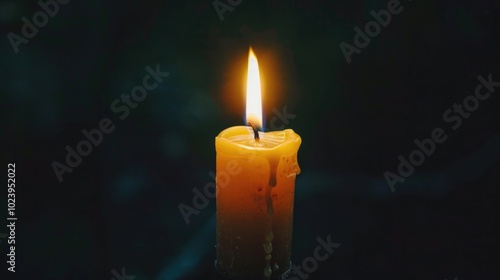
254 95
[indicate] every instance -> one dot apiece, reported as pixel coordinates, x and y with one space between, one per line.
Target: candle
255 192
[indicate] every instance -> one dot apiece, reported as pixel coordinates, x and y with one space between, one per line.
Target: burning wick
255 131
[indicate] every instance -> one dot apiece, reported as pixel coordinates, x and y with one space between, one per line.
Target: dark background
119 208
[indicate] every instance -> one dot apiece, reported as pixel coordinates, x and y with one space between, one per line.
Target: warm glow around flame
254 96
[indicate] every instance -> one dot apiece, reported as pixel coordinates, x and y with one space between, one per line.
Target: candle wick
255 131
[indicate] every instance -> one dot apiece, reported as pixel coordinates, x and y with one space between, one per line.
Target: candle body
255 196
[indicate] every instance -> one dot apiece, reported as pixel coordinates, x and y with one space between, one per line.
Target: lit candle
255 192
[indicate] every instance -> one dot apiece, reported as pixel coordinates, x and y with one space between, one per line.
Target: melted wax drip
268 248
272 177
268 244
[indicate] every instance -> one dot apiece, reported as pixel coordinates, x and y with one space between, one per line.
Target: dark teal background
119 208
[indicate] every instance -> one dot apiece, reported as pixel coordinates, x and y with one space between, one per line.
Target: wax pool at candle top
255 190
271 145
266 141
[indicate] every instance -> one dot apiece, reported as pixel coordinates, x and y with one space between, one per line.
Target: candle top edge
243 136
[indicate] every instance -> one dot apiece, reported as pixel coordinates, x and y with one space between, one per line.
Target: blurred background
118 209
